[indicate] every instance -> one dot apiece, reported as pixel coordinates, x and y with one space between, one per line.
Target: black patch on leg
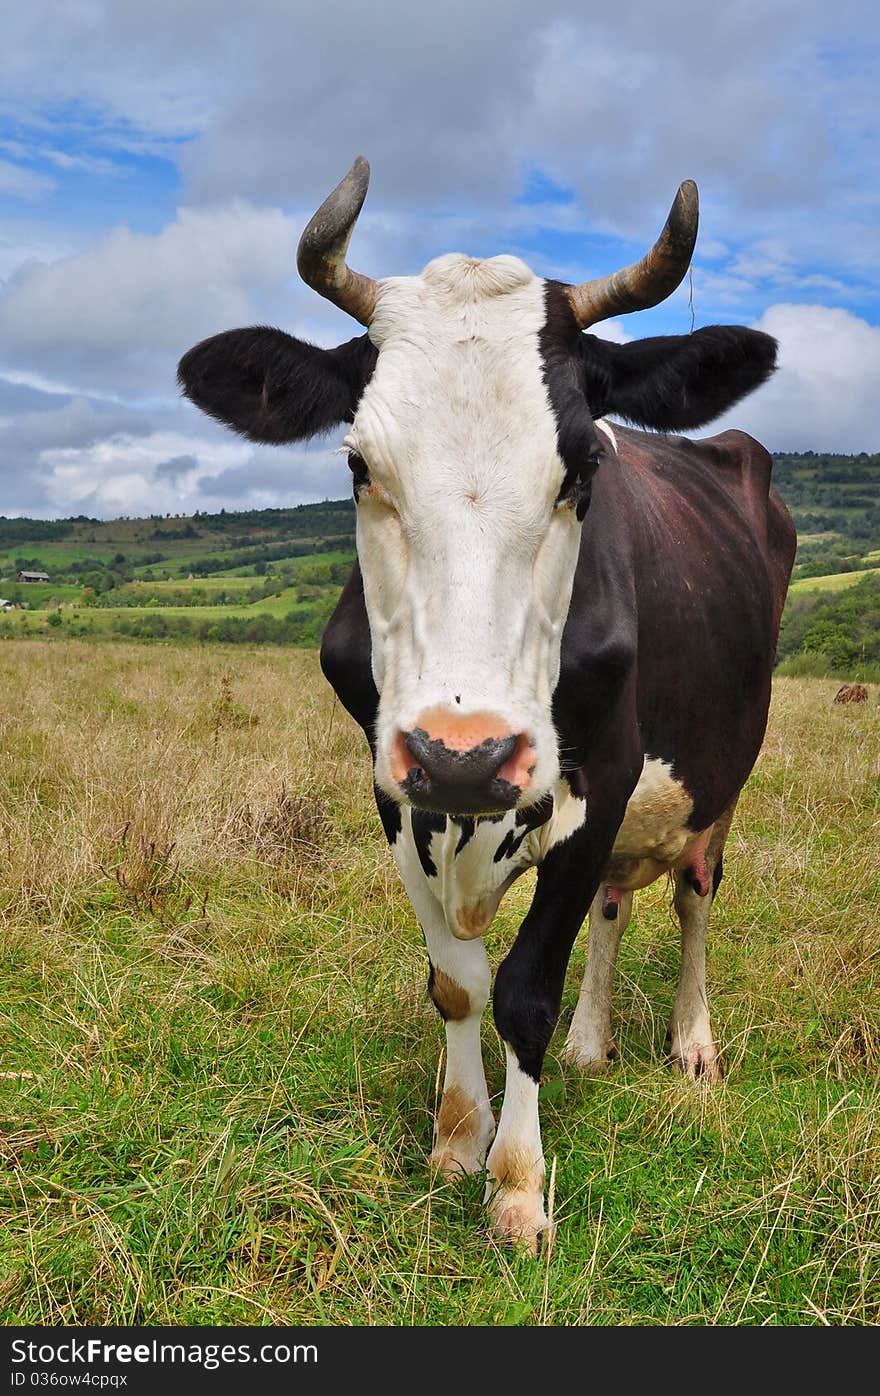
717 874
424 824
609 908
525 1002
529 982
525 1020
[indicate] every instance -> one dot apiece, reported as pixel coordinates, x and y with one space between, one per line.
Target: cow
851 693
558 636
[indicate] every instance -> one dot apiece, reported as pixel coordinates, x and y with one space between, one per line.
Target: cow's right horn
651 280
320 256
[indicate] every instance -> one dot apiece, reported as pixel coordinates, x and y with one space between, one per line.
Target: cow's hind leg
692 1046
590 1044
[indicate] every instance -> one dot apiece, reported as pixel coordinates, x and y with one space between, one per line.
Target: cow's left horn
651 280
320 256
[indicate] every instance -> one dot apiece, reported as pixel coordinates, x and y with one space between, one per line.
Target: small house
33 576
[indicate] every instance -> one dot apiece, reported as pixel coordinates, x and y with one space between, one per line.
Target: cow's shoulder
735 467
740 462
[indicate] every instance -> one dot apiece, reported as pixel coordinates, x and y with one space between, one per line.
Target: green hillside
257 576
272 576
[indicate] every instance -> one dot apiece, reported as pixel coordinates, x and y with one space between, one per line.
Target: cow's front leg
515 1185
458 985
528 994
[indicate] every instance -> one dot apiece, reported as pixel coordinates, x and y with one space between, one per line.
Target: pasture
834 581
218 1064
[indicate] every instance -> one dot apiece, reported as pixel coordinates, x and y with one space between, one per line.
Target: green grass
215 582
835 581
245 571
244 537
218 1065
39 595
59 556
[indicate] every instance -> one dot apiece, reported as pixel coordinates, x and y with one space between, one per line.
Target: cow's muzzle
446 771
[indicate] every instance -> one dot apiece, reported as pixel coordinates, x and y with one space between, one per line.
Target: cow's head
473 407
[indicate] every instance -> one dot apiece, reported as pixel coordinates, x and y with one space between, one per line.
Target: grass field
218 1064
193 599
835 581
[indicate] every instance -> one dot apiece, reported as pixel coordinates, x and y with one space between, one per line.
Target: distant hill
828 493
273 575
200 533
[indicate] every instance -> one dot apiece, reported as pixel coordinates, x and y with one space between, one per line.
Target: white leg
692 1046
459 987
590 1043
515 1186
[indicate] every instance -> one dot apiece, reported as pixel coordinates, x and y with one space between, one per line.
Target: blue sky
157 164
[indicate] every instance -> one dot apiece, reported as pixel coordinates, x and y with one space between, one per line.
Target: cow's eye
360 475
577 486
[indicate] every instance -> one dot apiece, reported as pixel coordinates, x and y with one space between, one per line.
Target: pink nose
459 764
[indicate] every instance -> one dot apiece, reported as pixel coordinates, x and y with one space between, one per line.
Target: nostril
402 761
519 764
415 743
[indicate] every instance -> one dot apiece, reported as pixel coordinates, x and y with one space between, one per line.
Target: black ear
676 382
272 387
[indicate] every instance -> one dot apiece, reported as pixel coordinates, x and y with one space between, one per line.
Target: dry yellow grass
217 1063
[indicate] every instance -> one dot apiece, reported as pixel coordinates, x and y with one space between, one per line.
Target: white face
467 558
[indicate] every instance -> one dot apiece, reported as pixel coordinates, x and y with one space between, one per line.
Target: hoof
585 1057
699 1063
519 1220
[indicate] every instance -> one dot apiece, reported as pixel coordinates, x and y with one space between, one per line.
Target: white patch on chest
470 878
471 883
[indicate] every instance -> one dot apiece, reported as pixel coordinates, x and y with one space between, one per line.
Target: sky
159 161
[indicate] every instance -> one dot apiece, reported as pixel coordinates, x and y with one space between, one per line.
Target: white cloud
99 315
823 396
117 475
173 470
73 424
22 183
